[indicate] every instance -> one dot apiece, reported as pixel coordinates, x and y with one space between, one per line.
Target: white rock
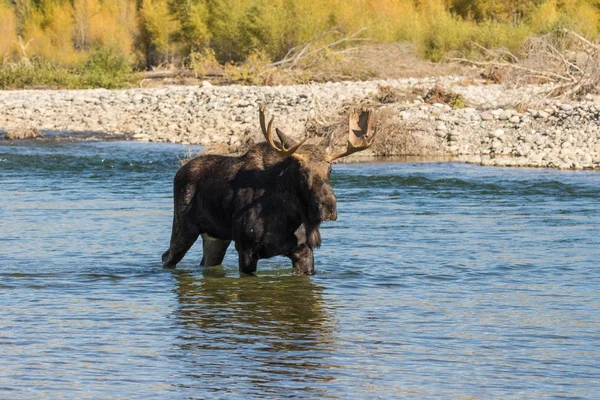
507 114
543 114
441 127
141 136
497 133
566 107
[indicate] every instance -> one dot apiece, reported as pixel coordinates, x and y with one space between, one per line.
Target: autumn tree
158 30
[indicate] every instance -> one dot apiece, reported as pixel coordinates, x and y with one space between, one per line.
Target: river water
439 280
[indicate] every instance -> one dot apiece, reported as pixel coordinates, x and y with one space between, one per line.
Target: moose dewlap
269 201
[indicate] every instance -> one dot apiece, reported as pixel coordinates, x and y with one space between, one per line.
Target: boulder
22 134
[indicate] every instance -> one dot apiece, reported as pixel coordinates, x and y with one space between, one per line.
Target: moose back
269 201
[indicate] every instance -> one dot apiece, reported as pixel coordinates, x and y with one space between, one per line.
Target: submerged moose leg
213 250
303 260
183 236
248 261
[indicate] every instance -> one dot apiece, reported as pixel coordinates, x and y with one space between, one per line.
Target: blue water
439 280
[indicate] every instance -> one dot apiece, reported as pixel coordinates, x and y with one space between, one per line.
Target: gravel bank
500 126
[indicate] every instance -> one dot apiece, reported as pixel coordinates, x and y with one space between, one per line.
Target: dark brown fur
268 204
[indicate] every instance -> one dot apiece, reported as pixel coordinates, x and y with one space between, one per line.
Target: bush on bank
104 68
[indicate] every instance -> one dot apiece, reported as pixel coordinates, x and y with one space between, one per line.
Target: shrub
446 33
106 68
253 71
438 94
38 73
201 62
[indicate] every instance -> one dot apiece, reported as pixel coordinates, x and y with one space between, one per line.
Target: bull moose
269 201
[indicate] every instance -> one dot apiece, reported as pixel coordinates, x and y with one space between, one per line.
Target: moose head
269 201
315 160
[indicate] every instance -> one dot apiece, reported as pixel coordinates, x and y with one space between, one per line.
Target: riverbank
490 125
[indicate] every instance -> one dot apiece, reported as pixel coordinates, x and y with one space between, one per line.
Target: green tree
158 28
192 17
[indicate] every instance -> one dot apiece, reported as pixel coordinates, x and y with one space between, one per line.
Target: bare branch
293 55
25 57
581 38
297 53
513 66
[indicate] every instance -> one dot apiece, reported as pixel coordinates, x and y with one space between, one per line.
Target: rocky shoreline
495 125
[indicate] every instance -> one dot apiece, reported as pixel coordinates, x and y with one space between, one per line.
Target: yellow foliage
545 17
202 62
495 35
8 32
578 15
385 20
68 31
83 11
114 25
583 18
49 32
394 20
198 20
298 12
254 70
432 8
159 24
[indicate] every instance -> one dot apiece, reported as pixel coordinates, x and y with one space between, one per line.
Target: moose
269 201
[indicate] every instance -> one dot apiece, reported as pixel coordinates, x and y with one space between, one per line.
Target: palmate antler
267 131
360 135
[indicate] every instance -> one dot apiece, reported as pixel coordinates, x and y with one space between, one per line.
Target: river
438 280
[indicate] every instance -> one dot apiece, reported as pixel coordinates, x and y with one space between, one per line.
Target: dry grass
387 94
375 61
395 137
439 94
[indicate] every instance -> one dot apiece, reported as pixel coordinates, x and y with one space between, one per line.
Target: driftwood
183 73
302 52
566 60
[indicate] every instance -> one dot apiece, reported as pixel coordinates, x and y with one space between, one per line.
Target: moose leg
183 236
213 250
303 260
248 261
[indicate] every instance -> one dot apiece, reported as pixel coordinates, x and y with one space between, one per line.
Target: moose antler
267 131
360 136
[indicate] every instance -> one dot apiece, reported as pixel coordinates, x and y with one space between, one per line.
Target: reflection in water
269 335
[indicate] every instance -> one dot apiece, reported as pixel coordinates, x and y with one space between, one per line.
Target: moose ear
285 139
